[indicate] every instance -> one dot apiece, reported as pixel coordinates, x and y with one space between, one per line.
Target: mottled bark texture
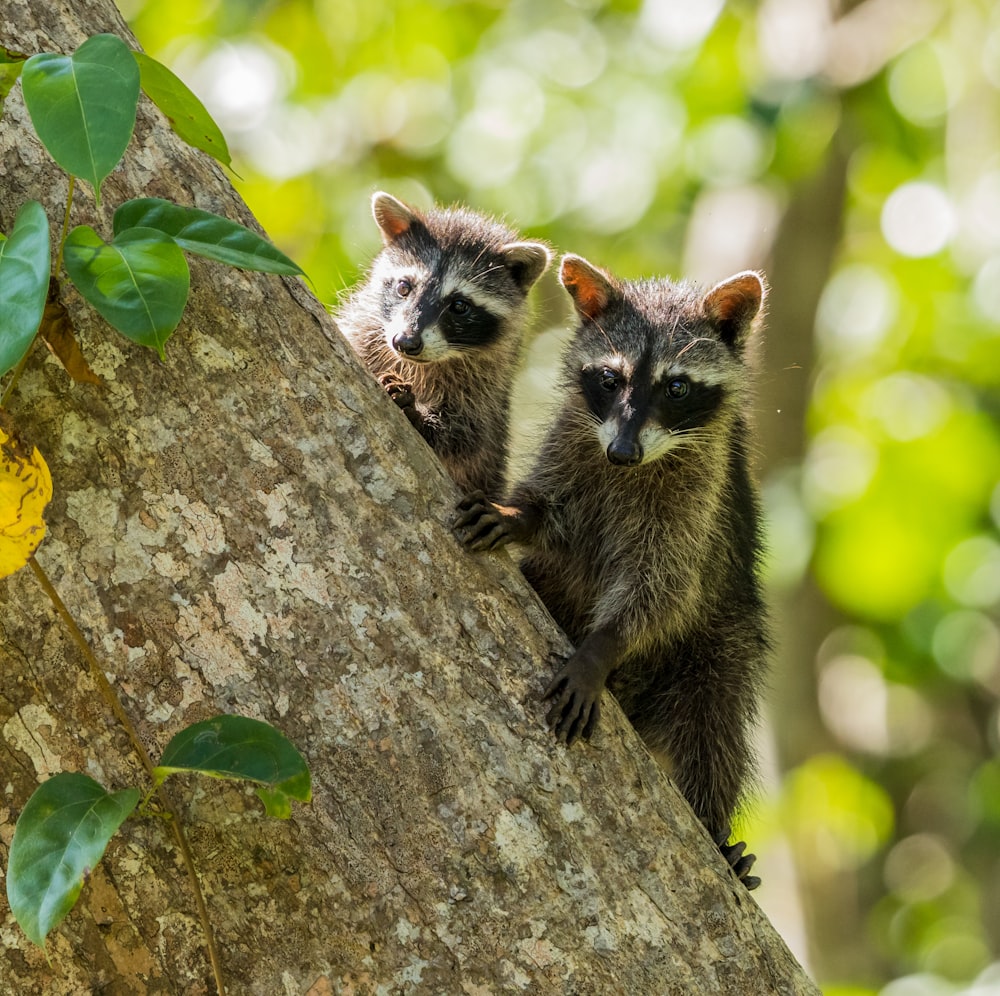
252 527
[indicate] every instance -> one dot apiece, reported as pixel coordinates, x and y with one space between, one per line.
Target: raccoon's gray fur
641 528
439 322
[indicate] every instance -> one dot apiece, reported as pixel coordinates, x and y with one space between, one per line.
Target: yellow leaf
25 490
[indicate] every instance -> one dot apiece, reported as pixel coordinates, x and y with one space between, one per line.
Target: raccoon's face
430 315
658 364
450 283
642 413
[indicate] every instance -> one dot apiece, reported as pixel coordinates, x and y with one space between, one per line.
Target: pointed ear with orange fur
590 288
734 304
392 216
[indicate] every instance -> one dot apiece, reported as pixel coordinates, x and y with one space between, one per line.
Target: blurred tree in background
850 149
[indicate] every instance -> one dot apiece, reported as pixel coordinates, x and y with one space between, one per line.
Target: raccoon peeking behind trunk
439 322
641 531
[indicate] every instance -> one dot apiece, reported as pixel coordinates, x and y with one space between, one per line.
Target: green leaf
139 283
185 112
241 748
24 283
11 63
62 834
205 234
83 105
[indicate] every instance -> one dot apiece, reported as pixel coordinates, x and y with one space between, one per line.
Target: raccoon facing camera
439 321
640 529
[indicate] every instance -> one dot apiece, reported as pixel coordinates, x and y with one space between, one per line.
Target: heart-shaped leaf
185 112
205 234
83 105
61 835
241 748
24 283
139 282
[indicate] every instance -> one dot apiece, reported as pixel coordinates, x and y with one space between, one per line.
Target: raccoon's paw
401 394
576 706
479 524
739 862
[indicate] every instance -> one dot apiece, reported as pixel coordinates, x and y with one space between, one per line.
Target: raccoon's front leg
577 686
484 525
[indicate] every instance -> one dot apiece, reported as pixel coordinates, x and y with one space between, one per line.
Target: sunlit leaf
24 283
185 112
139 282
60 836
11 64
25 490
83 105
205 234
240 748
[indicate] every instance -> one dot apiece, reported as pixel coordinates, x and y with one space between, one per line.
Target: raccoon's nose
625 452
408 345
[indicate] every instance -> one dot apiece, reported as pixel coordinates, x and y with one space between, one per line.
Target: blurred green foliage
661 137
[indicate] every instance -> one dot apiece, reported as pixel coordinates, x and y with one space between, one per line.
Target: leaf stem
22 363
65 228
111 697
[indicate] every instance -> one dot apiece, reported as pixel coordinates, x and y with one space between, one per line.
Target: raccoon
641 528
439 322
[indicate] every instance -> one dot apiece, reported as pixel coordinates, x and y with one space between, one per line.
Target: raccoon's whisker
584 418
692 438
693 342
600 328
479 255
485 273
673 330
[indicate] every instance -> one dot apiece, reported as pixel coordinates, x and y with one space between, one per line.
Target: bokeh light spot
924 82
918 219
858 306
972 572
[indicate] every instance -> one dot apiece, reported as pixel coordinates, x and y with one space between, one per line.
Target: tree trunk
252 527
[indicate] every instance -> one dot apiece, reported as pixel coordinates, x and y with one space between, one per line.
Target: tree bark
252 527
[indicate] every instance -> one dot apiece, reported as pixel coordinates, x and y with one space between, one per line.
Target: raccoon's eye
678 388
459 306
403 288
608 379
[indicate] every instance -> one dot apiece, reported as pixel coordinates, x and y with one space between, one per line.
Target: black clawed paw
575 709
739 862
479 524
402 396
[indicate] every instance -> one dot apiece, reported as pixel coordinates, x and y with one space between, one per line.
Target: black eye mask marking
676 402
681 403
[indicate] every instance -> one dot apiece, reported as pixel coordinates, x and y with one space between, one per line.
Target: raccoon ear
590 288
734 304
393 217
527 261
